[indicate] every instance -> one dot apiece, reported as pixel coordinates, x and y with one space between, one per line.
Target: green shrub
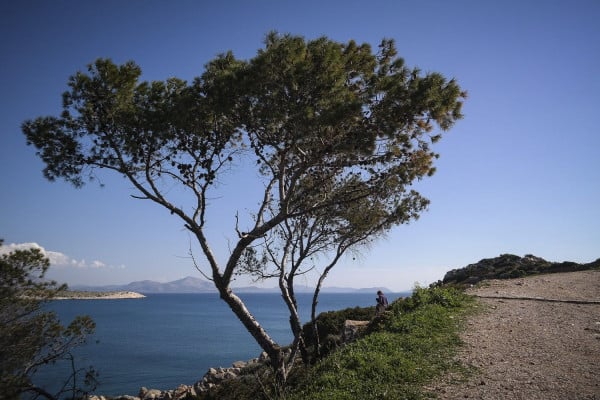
407 347
332 322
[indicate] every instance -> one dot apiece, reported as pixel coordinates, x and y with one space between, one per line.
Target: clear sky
519 174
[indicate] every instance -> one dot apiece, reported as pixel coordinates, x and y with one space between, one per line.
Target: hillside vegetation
401 352
508 266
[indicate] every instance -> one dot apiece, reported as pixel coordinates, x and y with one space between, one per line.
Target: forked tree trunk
295 323
273 350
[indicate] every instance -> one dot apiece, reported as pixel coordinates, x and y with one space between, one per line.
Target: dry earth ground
536 338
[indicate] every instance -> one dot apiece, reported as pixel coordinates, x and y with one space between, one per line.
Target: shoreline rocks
213 377
353 329
216 376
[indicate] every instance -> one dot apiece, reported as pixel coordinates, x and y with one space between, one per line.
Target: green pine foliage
31 338
336 133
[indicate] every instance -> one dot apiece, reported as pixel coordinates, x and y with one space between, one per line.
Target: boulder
263 357
150 394
182 391
353 329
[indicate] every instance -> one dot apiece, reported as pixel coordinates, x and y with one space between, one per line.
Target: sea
164 340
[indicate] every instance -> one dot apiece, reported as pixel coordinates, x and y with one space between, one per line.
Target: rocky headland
84 295
510 266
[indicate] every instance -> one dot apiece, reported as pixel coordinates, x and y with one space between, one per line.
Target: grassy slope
413 344
403 351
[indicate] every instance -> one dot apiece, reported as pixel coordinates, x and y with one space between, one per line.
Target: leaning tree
336 133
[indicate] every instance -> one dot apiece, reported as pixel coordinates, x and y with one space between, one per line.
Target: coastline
80 295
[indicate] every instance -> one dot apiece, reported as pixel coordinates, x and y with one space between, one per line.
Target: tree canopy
31 338
337 133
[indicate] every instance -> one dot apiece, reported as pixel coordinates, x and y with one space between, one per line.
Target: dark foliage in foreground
31 338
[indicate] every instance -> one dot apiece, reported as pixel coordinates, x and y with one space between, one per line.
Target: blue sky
519 174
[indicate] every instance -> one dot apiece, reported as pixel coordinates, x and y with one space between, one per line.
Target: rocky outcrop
353 329
509 266
84 295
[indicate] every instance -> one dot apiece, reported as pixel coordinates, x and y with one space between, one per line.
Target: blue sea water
165 340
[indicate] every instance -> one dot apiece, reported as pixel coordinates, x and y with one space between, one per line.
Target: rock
353 329
150 394
229 375
199 387
182 391
213 377
218 377
192 391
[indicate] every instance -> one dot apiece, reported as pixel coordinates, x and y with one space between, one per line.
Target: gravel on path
537 338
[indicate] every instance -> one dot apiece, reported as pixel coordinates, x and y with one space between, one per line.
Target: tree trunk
287 292
313 320
273 350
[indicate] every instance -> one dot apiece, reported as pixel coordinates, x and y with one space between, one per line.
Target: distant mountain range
196 285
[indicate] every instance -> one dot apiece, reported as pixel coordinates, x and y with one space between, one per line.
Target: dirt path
526 347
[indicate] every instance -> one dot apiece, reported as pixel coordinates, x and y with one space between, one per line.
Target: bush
331 323
407 347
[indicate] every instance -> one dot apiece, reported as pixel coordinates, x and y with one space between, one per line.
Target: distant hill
196 285
185 285
508 266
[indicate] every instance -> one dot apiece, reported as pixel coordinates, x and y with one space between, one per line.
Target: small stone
181 391
152 394
142 392
229 375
